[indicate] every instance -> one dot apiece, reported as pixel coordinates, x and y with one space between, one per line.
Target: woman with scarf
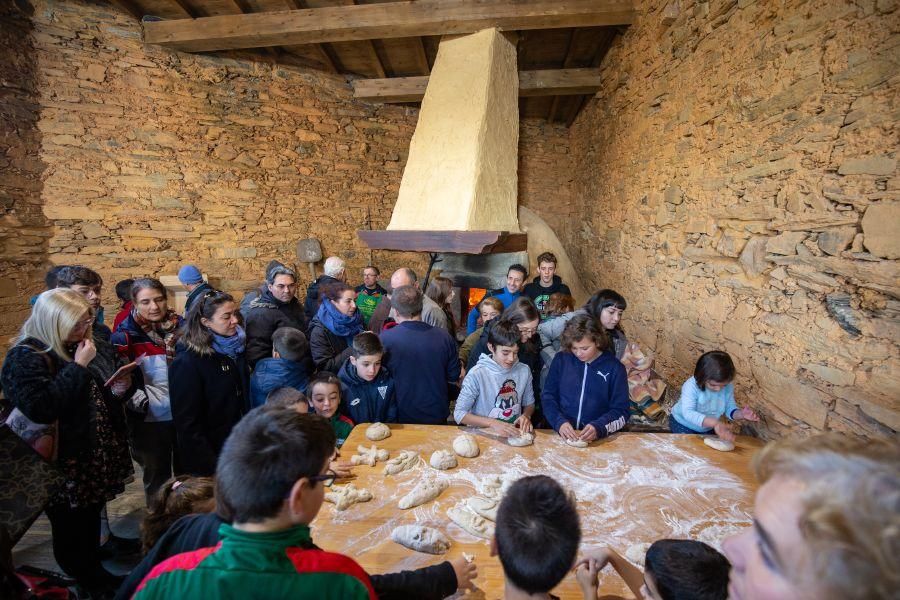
148 336
48 376
210 382
332 330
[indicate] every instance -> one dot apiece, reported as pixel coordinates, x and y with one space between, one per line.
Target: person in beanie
192 280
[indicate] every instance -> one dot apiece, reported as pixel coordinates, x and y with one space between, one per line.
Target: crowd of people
236 412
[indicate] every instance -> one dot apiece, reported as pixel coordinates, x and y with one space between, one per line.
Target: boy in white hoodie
496 392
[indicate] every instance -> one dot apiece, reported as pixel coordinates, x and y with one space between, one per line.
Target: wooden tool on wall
309 251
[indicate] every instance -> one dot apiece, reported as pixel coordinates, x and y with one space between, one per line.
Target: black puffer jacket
265 316
329 351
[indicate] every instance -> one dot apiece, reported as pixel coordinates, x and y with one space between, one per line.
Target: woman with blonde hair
826 522
46 376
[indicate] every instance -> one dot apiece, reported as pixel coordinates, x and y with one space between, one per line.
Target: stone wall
737 178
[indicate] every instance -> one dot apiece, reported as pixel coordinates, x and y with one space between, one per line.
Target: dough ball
378 431
466 445
718 444
577 443
443 460
526 439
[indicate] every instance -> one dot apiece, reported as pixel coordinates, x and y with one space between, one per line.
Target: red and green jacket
283 564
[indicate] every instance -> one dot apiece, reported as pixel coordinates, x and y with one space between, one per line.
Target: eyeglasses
527 330
328 478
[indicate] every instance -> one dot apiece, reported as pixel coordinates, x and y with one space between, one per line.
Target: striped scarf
164 333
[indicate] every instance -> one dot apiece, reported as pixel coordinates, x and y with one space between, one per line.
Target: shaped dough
369 456
719 444
466 445
407 459
637 552
484 507
426 491
378 431
421 539
477 526
526 439
577 443
345 496
443 460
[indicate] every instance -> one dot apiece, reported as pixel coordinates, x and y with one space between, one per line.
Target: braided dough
407 459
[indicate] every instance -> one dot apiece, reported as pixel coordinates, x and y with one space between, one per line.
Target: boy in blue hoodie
288 366
368 387
585 396
497 392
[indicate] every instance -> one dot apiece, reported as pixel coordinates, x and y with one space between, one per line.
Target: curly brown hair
584 326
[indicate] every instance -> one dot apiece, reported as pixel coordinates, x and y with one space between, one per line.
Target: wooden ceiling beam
550 82
189 10
381 21
129 7
602 49
566 64
326 54
421 57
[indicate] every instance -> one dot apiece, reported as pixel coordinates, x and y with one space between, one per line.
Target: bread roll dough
378 431
484 507
407 459
577 443
526 439
426 491
718 444
443 460
421 539
466 445
477 526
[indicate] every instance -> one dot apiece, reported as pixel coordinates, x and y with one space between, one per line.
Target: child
177 497
536 536
288 366
489 308
366 385
325 399
673 569
586 394
497 392
288 397
123 293
707 396
546 283
271 478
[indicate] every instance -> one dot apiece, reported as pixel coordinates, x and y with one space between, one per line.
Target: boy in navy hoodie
585 396
288 366
368 388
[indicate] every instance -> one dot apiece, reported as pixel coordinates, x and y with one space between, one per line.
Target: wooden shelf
454 242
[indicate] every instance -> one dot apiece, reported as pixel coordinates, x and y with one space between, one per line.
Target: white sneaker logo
603 375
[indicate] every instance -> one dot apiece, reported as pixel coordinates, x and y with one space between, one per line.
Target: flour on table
718 443
466 445
636 553
477 526
369 456
345 496
425 491
421 539
443 460
526 439
378 431
407 459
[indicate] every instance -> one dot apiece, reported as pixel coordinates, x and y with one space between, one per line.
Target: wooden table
631 488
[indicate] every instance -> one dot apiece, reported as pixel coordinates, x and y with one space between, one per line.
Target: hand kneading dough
425 491
477 526
526 439
407 459
443 460
421 539
466 445
577 443
378 431
718 444
637 552
345 496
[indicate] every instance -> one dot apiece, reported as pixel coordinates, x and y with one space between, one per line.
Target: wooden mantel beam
550 82
381 21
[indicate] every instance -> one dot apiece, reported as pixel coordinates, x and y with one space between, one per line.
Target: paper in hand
125 369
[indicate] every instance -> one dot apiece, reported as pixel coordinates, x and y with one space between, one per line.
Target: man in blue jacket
515 279
585 396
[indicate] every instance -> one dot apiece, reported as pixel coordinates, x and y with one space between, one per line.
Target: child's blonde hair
53 317
850 517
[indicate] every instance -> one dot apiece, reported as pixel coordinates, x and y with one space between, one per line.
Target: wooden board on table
630 488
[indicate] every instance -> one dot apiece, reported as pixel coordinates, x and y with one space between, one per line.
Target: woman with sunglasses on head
148 336
47 376
210 381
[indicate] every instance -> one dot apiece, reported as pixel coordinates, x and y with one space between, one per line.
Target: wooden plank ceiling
576 49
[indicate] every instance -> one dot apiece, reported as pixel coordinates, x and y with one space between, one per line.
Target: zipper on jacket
581 398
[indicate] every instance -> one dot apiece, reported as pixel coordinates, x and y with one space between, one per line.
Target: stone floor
125 514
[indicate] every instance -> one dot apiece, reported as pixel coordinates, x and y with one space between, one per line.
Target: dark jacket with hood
329 350
209 395
540 295
195 294
273 373
267 314
368 401
311 305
